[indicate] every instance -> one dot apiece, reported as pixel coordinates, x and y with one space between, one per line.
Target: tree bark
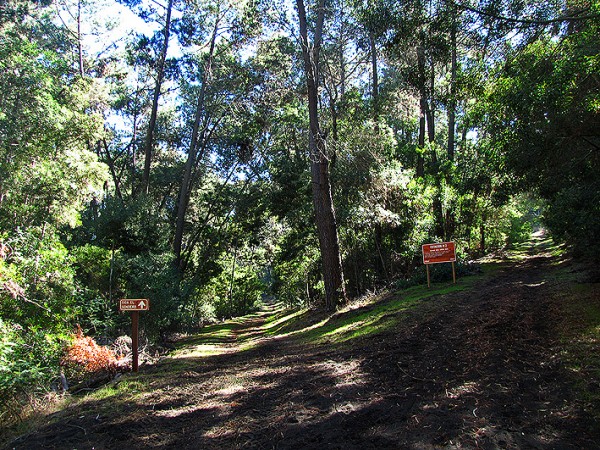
160 74
79 40
420 173
321 186
449 222
342 56
111 166
376 112
186 184
422 110
452 100
232 279
428 119
375 87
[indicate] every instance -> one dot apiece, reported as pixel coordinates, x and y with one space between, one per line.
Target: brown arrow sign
134 304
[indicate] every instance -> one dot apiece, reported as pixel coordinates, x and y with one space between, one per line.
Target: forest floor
506 359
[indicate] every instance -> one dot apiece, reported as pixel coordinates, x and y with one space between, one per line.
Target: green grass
376 315
278 323
580 337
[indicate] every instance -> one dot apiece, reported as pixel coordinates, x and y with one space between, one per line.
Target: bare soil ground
484 368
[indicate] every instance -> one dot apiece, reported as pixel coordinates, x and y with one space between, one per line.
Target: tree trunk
342 54
111 166
160 74
375 87
449 222
327 230
430 115
79 40
422 110
420 160
482 235
376 110
187 181
232 279
321 187
452 100
185 189
428 119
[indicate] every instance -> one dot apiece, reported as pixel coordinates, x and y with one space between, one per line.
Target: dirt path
475 370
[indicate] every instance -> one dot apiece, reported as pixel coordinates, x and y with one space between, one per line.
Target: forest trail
485 367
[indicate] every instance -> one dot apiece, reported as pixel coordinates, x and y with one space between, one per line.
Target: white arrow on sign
134 304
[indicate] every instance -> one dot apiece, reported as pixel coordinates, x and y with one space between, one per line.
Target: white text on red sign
439 253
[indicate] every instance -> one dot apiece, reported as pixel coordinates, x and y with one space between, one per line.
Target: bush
84 359
28 366
439 273
572 216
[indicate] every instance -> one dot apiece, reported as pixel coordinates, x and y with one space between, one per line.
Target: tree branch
564 18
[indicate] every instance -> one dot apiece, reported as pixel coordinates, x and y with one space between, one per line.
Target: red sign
131 304
439 253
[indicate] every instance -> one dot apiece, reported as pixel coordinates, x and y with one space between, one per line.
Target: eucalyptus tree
349 115
214 88
152 52
333 276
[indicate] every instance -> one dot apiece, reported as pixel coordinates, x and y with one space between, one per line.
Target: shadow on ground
474 369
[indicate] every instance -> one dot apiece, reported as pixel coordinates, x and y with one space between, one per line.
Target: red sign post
135 306
442 252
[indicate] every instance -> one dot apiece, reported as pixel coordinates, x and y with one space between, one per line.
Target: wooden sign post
442 252
135 306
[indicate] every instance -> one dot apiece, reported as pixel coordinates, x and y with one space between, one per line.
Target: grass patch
377 315
37 417
211 334
128 388
580 336
279 323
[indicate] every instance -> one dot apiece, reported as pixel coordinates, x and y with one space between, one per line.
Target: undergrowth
580 334
84 358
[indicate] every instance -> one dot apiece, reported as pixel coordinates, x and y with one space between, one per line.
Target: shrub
85 359
28 366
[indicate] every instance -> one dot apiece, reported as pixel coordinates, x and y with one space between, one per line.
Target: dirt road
483 368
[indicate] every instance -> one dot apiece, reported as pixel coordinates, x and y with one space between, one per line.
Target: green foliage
46 123
135 226
573 213
38 287
524 216
38 307
152 276
48 118
236 290
296 269
438 273
543 120
98 289
29 362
